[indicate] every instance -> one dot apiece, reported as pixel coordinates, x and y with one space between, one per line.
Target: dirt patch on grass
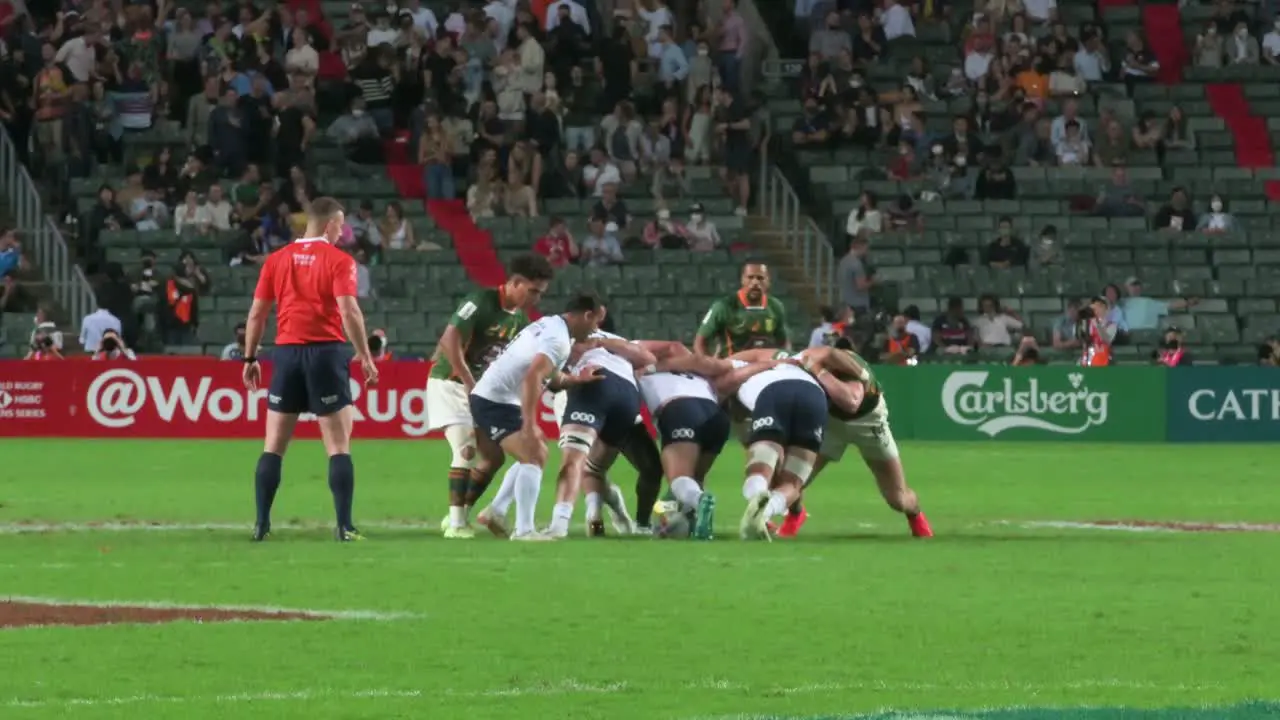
17 614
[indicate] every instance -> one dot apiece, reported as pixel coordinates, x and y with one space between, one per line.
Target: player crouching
865 425
596 420
480 328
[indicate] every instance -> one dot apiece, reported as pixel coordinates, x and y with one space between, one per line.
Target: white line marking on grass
574 687
23 528
1147 526
265 609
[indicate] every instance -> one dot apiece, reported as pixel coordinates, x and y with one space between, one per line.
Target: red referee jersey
305 281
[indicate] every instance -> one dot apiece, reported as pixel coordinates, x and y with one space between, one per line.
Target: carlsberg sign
995 403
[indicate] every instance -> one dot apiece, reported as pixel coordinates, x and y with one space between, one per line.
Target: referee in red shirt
313 286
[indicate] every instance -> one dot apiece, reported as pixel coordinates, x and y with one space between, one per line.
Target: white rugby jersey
547 336
658 389
751 389
604 359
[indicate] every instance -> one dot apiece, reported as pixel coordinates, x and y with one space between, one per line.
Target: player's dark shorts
608 406
791 413
495 419
314 378
695 420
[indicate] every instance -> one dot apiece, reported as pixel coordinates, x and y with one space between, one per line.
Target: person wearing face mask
1243 47
701 233
1217 220
1271 44
812 127
357 134
1172 351
1209 48
664 232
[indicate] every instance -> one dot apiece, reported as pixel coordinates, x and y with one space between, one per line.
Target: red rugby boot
920 526
791 526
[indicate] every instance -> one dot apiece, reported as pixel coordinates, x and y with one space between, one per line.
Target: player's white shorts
869 433
447 404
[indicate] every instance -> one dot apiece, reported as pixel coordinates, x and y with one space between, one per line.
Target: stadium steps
474 245
1163 25
771 243
1252 140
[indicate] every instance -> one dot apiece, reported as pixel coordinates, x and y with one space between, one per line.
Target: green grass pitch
851 619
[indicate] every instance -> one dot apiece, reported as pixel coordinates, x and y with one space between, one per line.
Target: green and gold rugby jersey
485 328
739 325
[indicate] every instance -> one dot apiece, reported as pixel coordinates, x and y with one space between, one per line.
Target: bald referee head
325 218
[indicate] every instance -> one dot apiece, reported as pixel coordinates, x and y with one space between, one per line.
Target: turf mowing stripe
264 609
575 687
1245 711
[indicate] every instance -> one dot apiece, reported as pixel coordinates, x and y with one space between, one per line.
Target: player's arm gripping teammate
313 286
860 417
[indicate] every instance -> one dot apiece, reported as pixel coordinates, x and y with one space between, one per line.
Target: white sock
466 514
778 504
528 482
755 485
560 516
614 498
593 507
506 491
686 491
457 516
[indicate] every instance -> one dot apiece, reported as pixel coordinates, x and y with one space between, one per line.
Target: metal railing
800 234
41 239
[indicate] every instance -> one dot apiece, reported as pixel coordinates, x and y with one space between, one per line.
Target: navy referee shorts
313 378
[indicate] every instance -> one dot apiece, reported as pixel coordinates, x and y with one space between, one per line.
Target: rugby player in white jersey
692 425
505 406
866 427
596 420
700 435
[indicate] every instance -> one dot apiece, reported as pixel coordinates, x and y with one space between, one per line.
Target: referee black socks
266 481
342 483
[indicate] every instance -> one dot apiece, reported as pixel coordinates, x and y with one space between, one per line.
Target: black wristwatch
250 359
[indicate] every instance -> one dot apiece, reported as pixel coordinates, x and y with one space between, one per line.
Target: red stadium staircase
473 244
1253 141
1163 24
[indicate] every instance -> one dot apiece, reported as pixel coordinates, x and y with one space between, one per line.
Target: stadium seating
1232 113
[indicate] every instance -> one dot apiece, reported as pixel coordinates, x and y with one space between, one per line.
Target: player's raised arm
712 326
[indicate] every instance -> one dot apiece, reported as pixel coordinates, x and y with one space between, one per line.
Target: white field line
145 526
571 687
266 609
1148 526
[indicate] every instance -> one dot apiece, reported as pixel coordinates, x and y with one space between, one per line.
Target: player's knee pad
578 440
800 468
762 453
462 441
